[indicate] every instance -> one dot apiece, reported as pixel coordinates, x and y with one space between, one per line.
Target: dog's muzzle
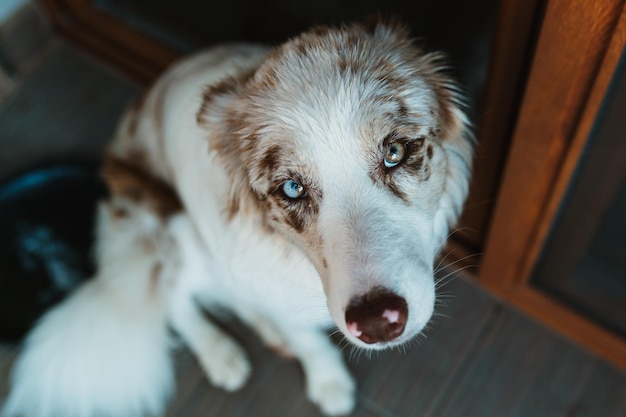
377 317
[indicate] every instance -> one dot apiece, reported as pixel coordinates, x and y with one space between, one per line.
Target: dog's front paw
334 396
227 366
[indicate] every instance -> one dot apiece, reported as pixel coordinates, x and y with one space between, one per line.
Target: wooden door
570 97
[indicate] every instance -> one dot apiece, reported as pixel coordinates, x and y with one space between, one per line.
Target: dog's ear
457 140
219 100
385 26
223 114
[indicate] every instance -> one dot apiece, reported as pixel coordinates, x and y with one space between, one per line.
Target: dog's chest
251 274
273 280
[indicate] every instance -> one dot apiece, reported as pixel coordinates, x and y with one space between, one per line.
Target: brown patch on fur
133 114
403 110
229 150
445 115
296 219
342 63
386 75
120 213
229 85
270 160
298 214
232 208
429 151
393 187
282 352
155 277
158 110
447 99
133 122
148 246
417 156
302 48
267 79
320 30
415 148
129 178
376 21
223 102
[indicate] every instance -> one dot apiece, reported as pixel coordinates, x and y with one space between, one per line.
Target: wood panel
512 50
565 67
126 48
573 154
570 75
527 373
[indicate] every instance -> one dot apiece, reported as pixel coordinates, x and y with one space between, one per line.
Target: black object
47 220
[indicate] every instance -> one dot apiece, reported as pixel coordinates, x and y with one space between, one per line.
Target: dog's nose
378 316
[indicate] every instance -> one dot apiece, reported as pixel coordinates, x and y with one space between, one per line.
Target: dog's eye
394 154
293 189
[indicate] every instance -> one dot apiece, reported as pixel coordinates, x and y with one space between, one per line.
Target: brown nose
378 316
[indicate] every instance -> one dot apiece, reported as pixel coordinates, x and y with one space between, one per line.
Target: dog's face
350 143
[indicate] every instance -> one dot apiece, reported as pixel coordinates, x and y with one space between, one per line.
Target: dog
302 187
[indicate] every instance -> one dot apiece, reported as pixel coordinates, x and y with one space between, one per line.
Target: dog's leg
328 381
223 360
269 333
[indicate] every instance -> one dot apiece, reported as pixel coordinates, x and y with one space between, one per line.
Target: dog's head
351 143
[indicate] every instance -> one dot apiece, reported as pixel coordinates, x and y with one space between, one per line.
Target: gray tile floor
479 359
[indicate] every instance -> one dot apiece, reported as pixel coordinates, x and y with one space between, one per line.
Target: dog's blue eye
394 154
292 189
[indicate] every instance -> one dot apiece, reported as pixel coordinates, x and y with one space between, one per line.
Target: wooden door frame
512 49
570 74
128 49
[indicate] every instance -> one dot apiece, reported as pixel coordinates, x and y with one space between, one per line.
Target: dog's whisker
446 279
335 332
442 304
442 260
353 350
445 294
454 272
451 233
343 343
451 264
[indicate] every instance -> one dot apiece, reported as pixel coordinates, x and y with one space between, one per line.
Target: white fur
277 282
